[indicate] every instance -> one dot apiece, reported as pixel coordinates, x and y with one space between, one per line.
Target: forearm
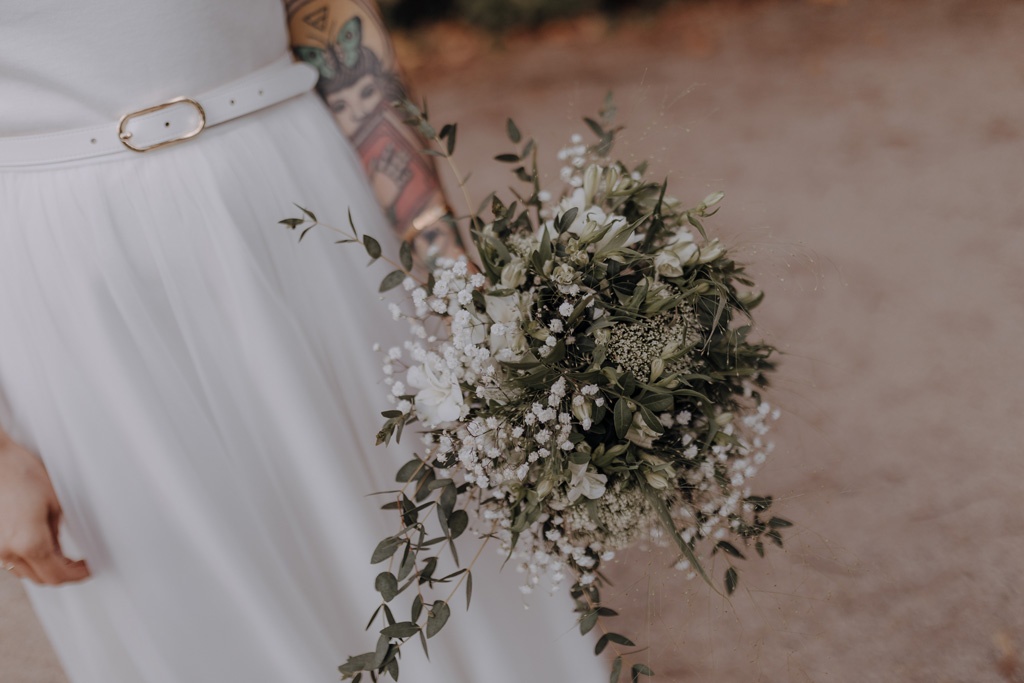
360 80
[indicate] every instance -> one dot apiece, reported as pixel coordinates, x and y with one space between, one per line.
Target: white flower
666 263
564 274
661 472
513 274
507 311
583 411
440 397
710 252
680 251
591 178
585 482
640 433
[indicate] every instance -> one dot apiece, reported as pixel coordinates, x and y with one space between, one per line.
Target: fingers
39 558
21 570
55 569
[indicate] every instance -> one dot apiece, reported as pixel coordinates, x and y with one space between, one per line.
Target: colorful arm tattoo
359 80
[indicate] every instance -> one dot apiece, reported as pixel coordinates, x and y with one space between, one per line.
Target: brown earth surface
872 153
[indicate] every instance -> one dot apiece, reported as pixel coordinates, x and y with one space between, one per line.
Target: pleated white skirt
204 393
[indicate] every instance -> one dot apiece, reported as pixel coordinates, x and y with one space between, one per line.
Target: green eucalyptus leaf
372 247
620 639
616 670
451 139
640 670
513 132
438 617
405 255
387 585
446 502
588 622
392 280
383 646
385 549
729 549
417 607
732 578
363 662
409 470
623 418
402 629
309 213
457 522
423 642
408 562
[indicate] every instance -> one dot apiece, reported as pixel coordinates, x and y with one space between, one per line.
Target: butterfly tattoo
343 53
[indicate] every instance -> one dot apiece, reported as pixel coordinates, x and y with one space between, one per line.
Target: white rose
564 274
439 399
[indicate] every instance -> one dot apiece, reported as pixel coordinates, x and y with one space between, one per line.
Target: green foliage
711 370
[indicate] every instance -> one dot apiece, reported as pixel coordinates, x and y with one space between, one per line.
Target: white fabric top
103 58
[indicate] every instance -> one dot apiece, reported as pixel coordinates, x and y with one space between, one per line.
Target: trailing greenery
592 382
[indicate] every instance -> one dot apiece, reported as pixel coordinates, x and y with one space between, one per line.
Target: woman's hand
30 517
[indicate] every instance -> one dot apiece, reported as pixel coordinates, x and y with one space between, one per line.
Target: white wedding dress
202 387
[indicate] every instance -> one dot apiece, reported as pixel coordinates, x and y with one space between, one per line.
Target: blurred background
872 155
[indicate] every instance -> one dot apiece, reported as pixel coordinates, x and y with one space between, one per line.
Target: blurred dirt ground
872 153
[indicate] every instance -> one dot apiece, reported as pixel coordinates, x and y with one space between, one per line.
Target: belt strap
173 121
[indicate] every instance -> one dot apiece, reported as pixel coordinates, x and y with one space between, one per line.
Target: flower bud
611 179
544 487
667 264
750 298
657 367
713 199
656 480
591 178
710 252
723 419
583 411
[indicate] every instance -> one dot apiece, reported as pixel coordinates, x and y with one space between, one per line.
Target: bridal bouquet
591 385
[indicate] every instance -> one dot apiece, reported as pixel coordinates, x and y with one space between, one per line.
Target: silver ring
9 567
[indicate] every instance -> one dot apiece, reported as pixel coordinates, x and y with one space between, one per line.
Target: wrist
428 219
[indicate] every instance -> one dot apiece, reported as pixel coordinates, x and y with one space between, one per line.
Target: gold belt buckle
125 135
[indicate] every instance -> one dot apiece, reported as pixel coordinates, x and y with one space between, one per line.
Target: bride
187 401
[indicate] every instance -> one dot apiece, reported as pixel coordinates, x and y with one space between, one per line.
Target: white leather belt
170 122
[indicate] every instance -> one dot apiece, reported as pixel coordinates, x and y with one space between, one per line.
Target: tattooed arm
359 79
